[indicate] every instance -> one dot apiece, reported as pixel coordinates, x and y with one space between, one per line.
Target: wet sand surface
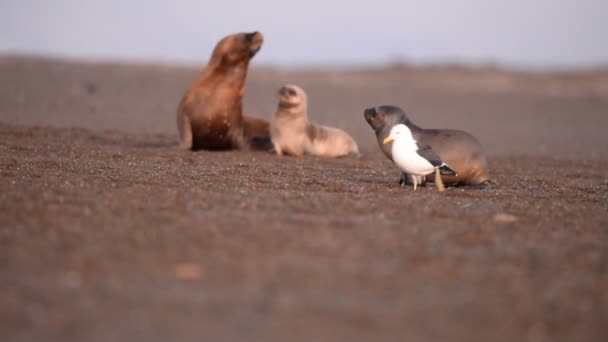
109 232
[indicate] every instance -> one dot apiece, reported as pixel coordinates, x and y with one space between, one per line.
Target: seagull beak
388 140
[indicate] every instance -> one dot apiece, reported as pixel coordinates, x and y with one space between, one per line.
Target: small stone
188 271
72 280
505 218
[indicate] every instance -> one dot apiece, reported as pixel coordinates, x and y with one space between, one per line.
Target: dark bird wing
426 152
446 170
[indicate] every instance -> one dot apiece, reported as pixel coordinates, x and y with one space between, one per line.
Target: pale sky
517 33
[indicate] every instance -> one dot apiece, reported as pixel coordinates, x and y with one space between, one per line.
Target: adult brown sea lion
210 114
292 134
457 148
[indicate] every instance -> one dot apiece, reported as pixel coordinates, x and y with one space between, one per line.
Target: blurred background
533 72
521 34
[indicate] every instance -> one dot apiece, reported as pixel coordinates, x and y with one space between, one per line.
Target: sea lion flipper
185 131
257 133
277 149
403 179
254 127
260 143
480 186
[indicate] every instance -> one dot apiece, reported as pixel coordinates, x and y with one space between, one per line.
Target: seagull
416 158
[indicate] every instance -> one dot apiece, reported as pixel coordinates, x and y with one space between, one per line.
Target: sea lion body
459 149
210 113
292 134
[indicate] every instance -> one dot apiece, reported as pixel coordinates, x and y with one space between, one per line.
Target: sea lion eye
291 92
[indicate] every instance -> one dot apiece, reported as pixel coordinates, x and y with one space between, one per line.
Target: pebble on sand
188 271
505 218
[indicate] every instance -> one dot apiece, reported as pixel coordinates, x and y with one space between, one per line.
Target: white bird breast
405 155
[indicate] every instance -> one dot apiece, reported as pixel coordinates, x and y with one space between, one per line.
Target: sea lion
210 114
457 148
292 134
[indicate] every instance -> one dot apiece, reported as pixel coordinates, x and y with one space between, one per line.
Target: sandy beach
109 232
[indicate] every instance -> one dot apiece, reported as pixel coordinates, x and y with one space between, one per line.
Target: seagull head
399 131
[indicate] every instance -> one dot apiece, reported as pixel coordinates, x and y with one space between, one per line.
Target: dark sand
109 233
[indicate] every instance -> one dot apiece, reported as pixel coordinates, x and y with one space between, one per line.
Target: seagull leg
438 180
415 180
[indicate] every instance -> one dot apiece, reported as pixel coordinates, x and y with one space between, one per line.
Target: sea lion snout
253 40
287 91
374 117
252 37
291 96
249 36
370 113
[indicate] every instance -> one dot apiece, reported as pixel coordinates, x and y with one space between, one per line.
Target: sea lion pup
292 134
457 148
210 114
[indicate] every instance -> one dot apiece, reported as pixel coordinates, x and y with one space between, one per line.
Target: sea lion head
236 48
385 116
292 100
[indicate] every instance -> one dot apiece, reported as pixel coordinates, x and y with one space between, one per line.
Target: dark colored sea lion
457 148
210 114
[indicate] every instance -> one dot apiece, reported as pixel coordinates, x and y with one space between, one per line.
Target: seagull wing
426 152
